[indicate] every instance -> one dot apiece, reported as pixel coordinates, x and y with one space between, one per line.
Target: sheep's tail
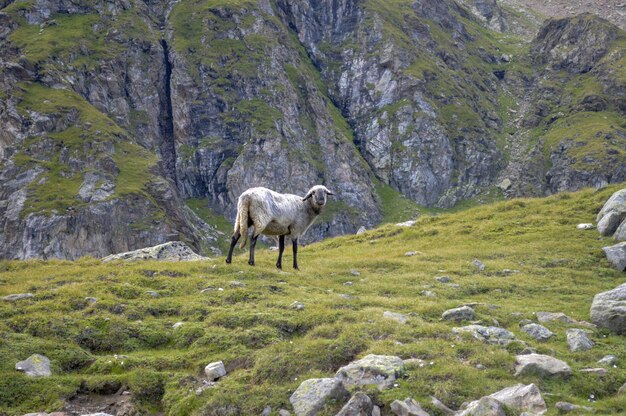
241 225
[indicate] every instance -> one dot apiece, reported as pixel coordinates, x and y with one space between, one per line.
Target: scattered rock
91 300
538 332
578 340
440 406
554 316
464 313
396 316
542 365
36 365
284 412
348 284
600 372
236 284
478 264
355 272
215 370
311 396
359 405
178 325
297 305
565 407
608 309
407 407
609 223
170 251
152 293
267 411
409 223
380 370
486 406
428 293
522 398
506 183
443 279
616 255
17 296
608 360
508 272
361 230
488 334
585 226
410 253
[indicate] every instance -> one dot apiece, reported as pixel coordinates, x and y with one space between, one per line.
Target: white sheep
271 213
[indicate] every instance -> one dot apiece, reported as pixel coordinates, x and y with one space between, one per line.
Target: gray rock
622 390
441 407
214 370
609 223
600 372
379 370
311 396
565 407
608 309
17 296
505 184
170 251
578 340
284 412
585 226
178 325
407 407
486 406
616 255
36 365
361 230
620 233
554 316
396 316
409 223
488 334
90 299
478 264
522 398
542 365
463 313
359 405
355 272
616 203
443 279
267 411
608 361
152 293
428 293
410 253
297 305
538 332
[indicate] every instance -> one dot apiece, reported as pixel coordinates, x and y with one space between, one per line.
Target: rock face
379 370
170 251
488 334
542 365
313 394
35 366
578 340
616 255
608 309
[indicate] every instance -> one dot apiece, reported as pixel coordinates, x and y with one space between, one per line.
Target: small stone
585 226
267 411
355 272
508 272
395 316
538 332
486 406
18 296
407 407
361 230
152 293
622 390
178 325
464 313
480 367
488 334
578 340
236 284
410 253
36 365
428 293
91 300
453 285
215 370
565 407
543 365
478 264
379 370
554 316
348 284
409 223
608 360
443 279
600 372
359 405
297 305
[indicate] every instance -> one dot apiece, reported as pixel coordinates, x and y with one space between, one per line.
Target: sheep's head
317 195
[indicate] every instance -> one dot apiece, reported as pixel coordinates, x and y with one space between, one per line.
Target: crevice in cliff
168 145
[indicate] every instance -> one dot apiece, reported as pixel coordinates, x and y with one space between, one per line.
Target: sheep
272 213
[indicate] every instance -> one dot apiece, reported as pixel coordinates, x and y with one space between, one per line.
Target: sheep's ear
329 193
309 195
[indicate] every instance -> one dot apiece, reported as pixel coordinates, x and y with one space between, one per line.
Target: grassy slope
269 348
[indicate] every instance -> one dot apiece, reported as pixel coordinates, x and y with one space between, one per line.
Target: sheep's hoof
296 267
251 263
279 266
228 261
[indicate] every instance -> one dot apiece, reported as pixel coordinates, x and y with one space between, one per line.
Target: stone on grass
615 205
522 398
616 255
90 299
410 253
178 325
17 296
488 334
170 251
428 293
284 412
478 264
538 332
355 272
409 223
361 230
608 360
36 365
578 340
441 407
585 226
215 370
463 313
297 305
622 390
152 293
443 279
359 405
395 316
554 316
600 372
311 396
565 407
608 309
486 406
609 223
407 407
542 365
379 370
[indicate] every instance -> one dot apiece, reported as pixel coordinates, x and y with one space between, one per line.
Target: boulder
578 340
443 279
379 370
615 206
543 365
407 407
478 264
486 406
311 396
396 316
620 233
170 251
488 334
538 332
359 405
215 370
36 365
463 313
505 184
616 255
609 223
522 398
608 309
608 361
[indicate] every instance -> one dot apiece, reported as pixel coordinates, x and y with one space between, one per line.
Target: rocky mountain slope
118 115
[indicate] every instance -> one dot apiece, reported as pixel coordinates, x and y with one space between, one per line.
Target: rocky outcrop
170 251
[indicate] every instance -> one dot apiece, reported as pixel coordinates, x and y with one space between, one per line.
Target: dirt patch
117 404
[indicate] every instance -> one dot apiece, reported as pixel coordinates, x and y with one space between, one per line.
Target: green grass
269 348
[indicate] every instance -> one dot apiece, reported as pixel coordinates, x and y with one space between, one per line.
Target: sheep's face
317 195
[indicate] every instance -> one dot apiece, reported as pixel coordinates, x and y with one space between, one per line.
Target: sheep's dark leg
252 244
233 242
281 248
295 253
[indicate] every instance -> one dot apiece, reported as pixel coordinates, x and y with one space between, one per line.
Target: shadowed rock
311 396
542 365
35 366
608 309
380 370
